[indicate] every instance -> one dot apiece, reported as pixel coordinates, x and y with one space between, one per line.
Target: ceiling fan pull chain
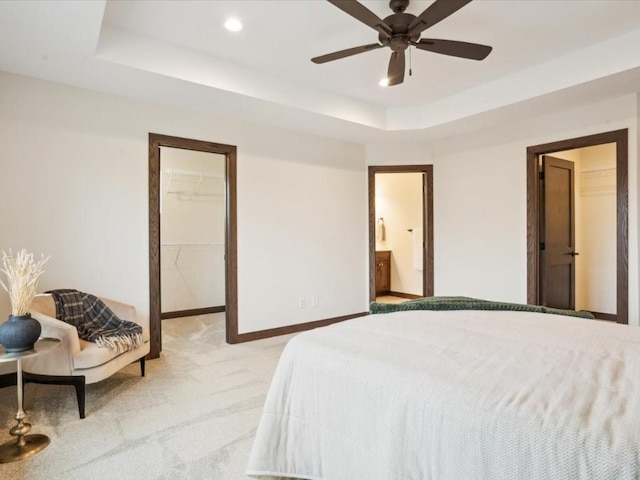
410 71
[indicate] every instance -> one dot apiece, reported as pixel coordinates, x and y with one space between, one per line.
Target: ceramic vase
19 333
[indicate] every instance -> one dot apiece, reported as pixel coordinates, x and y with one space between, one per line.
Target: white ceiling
178 53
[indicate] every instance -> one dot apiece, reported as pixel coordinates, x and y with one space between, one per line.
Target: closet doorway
400 231
192 219
192 232
577 204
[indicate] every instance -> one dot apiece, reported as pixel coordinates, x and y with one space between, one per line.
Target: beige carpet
192 417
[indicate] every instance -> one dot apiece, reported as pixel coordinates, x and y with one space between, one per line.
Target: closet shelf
181 246
192 185
599 172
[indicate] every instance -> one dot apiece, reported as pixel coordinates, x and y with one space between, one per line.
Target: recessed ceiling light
233 25
384 82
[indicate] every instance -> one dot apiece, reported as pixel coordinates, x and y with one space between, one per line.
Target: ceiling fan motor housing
400 38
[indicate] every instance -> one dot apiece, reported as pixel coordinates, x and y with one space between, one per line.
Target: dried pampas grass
22 274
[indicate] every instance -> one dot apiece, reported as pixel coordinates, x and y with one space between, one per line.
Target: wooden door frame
231 259
620 138
427 223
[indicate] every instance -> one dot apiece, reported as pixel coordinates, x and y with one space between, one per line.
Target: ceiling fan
401 30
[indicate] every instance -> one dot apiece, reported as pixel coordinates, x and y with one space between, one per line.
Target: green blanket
467 303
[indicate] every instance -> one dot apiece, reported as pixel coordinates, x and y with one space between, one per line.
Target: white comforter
468 395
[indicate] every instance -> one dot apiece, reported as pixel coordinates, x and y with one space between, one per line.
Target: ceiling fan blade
345 53
473 51
363 14
437 11
395 74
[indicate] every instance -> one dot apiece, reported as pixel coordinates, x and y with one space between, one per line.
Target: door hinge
542 245
541 175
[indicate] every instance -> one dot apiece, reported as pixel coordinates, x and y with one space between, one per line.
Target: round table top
42 345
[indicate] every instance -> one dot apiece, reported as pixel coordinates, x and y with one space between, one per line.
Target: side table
25 445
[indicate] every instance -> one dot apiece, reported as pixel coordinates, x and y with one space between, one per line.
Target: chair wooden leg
142 365
78 383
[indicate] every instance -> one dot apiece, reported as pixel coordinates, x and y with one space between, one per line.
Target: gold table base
23 447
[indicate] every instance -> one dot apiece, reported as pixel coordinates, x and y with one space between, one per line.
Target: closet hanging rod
191 244
598 170
187 193
192 173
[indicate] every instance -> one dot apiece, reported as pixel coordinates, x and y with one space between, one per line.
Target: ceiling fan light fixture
233 25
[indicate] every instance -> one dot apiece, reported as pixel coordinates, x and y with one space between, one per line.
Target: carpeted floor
192 417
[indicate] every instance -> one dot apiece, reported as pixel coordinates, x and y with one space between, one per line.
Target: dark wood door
557 234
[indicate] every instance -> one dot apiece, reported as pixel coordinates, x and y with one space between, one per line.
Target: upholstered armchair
78 362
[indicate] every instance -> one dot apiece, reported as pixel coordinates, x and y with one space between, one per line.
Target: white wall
597 233
303 235
74 184
398 199
480 244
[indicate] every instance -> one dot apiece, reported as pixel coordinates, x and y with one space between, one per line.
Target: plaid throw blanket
468 303
95 321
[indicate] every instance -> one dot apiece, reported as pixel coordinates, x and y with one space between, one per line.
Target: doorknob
573 254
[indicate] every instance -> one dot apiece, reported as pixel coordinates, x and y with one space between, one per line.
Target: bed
448 395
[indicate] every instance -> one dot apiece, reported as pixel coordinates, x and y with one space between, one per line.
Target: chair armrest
127 312
122 310
54 328
60 360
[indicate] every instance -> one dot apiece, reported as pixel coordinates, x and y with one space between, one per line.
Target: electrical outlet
302 302
315 301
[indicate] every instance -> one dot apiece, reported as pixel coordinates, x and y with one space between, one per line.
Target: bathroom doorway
400 231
